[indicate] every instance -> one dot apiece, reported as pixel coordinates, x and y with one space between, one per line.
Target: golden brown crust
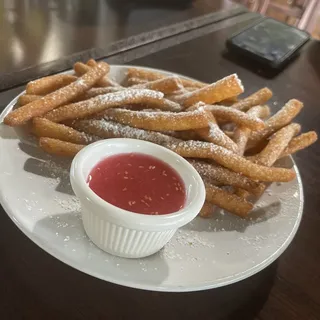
59 148
227 200
225 88
55 99
46 128
49 84
257 98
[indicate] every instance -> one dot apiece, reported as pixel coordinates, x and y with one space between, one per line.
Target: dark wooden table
45 37
35 285
35 32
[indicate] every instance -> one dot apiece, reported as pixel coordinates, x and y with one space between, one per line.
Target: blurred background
38 31
304 14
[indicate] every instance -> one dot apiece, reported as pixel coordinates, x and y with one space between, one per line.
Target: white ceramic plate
36 193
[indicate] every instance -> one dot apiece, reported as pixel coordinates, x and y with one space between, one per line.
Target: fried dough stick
100 103
242 133
273 150
45 128
108 129
212 133
49 84
59 148
234 162
158 121
207 210
57 98
236 116
258 98
227 200
81 68
225 88
276 145
149 75
225 176
282 118
299 143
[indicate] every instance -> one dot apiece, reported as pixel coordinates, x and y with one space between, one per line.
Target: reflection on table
36 31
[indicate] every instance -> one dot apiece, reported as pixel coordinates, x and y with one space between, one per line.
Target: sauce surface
139 183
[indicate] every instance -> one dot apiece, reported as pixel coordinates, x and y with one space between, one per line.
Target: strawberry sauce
139 183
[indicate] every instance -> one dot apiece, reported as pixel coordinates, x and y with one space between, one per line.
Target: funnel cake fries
108 129
225 176
232 161
148 75
93 92
81 68
236 116
165 85
159 121
57 98
227 200
276 145
258 98
299 143
59 148
242 133
92 106
49 84
233 143
207 210
225 88
45 128
283 117
212 133
273 150
27 98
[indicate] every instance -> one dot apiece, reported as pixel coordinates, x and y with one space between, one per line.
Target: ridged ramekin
121 232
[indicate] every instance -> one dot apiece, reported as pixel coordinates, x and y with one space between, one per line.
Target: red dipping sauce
139 183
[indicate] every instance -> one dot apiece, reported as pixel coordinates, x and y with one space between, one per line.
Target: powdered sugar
223 175
117 114
192 239
109 129
89 138
216 135
80 82
166 85
130 95
192 146
91 106
93 92
278 142
238 81
72 204
236 116
56 171
283 117
80 137
225 88
158 120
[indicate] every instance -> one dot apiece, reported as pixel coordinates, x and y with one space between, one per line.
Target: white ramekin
124 233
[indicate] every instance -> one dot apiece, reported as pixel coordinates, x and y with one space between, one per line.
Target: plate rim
127 283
